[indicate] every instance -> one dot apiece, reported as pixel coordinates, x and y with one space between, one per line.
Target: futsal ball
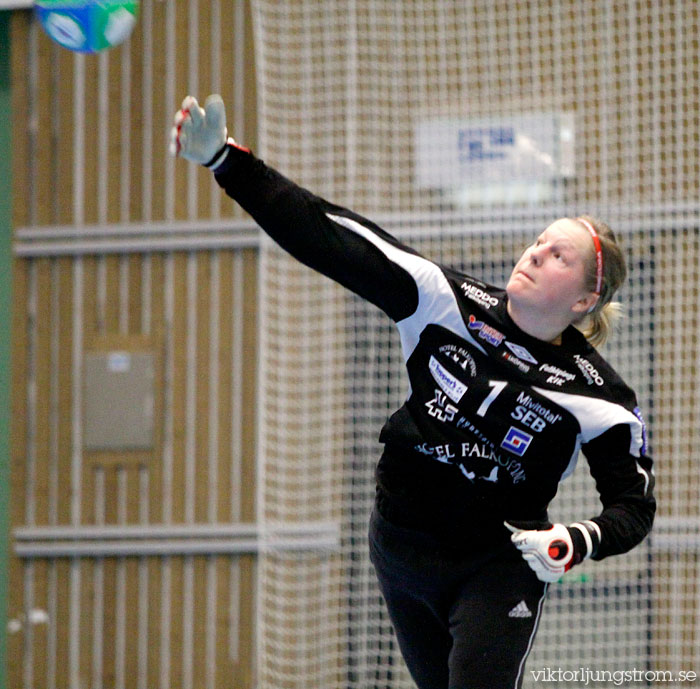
87 26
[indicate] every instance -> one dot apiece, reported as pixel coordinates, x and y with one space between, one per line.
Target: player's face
551 273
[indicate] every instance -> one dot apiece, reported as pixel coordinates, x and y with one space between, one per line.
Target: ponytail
599 324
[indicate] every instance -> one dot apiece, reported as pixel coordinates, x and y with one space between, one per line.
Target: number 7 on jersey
497 386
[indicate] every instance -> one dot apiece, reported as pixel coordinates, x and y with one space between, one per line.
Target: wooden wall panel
18 464
90 138
62 626
64 394
248 384
40 94
211 478
154 508
20 26
175 492
223 453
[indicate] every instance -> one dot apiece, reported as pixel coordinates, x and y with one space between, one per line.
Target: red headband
598 254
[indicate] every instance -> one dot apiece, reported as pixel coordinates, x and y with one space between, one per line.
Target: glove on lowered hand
555 548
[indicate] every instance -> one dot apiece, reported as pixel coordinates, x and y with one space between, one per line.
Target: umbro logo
521 352
520 610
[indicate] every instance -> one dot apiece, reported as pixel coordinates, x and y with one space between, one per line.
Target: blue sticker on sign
516 441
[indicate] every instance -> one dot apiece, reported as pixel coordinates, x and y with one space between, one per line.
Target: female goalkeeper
504 393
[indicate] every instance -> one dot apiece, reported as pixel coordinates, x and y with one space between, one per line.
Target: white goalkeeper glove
199 134
553 550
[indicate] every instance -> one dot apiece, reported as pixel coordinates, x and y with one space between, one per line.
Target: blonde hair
597 325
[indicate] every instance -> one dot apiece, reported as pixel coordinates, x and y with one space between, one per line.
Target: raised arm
336 242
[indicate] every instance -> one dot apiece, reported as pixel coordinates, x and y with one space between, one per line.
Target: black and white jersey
494 418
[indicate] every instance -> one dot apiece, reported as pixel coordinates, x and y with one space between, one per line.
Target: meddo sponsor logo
478 295
589 371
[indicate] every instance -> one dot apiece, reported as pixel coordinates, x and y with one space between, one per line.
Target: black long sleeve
495 419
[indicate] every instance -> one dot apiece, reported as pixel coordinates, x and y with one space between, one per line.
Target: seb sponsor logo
478 295
516 441
533 414
590 373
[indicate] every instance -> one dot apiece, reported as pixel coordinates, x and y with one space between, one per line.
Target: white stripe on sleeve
436 300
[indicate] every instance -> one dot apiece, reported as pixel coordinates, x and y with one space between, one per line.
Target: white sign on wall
514 156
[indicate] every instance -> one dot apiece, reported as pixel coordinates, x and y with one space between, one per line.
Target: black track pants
463 620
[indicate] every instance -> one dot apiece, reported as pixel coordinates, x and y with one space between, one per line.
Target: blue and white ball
87 26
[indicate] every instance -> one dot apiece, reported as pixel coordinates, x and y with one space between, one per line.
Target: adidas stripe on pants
462 620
